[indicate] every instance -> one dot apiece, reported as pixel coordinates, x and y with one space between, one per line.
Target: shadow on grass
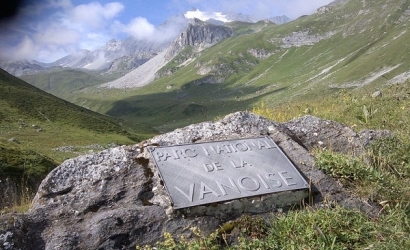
188 104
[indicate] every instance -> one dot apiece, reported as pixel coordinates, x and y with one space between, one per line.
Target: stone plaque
202 173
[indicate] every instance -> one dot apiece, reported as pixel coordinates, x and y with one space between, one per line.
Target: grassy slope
62 82
382 176
361 48
34 123
27 110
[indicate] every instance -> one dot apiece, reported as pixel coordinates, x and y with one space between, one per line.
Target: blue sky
46 30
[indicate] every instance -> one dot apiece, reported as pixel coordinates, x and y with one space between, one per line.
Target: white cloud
258 8
94 14
94 41
139 28
49 29
57 35
26 49
142 29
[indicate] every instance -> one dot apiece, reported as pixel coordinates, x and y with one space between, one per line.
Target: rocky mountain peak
198 33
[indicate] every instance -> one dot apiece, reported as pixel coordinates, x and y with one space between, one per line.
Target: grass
381 176
333 79
33 124
357 47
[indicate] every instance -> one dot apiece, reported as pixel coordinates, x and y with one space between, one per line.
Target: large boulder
115 199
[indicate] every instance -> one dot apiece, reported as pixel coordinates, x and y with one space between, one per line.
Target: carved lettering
242 181
218 149
228 149
263 144
198 174
190 153
177 154
271 177
241 164
208 167
286 178
232 187
164 156
242 146
213 166
205 150
263 182
189 196
234 149
159 155
205 189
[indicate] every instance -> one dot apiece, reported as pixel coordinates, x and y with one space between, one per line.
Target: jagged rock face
127 63
114 199
199 33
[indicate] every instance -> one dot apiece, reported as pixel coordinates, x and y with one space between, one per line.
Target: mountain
122 56
73 60
280 19
346 45
130 49
198 33
18 68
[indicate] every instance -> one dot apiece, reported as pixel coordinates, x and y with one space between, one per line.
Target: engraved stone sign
202 173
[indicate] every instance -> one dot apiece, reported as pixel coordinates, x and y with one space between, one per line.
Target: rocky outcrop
198 33
260 53
115 199
127 63
303 38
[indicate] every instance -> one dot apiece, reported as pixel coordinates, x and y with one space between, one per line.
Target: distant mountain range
131 52
210 69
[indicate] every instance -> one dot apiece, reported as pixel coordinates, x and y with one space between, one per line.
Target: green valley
357 46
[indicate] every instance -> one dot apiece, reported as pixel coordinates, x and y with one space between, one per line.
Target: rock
115 199
323 9
313 132
377 94
14 140
198 33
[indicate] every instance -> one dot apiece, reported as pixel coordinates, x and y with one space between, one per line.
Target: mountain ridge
348 46
129 49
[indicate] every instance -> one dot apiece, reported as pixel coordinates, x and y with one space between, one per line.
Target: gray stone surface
114 199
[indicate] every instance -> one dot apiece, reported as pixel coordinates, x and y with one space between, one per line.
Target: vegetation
381 176
356 45
350 52
34 125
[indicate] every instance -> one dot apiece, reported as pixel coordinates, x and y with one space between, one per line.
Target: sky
46 30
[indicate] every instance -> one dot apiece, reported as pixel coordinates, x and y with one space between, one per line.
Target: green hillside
35 126
355 45
62 82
